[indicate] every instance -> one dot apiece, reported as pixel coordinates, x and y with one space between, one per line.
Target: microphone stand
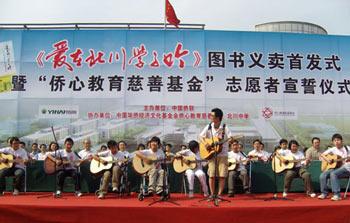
165 195
215 198
275 197
55 181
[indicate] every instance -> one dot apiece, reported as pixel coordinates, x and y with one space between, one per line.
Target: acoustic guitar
50 166
96 167
10 160
183 163
215 146
233 163
278 166
336 161
142 166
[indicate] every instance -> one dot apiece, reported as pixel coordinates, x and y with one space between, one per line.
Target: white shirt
298 156
19 153
342 152
188 152
117 156
85 154
40 156
339 152
125 153
261 154
33 154
62 153
159 155
238 157
208 133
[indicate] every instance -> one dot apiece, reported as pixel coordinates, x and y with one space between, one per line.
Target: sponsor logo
58 111
277 113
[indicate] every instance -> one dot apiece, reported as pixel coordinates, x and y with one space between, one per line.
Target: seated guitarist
217 129
156 174
115 171
240 170
69 170
258 152
17 170
299 169
198 171
343 152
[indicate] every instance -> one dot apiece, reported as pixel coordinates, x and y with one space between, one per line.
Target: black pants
61 176
18 173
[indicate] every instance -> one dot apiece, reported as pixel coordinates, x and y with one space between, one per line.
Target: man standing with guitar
341 152
13 164
216 130
66 161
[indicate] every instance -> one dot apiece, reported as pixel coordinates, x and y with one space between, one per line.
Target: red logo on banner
267 112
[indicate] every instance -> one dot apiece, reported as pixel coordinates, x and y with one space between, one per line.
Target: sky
333 15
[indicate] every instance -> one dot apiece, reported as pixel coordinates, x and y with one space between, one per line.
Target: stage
242 208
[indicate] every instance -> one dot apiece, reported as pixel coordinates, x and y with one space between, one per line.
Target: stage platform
242 208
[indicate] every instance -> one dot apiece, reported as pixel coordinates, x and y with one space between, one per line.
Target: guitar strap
223 132
77 155
75 152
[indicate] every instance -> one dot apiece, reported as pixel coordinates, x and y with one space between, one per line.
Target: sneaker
78 194
312 195
336 198
284 195
230 195
58 193
190 194
206 195
322 196
101 195
115 189
247 191
15 192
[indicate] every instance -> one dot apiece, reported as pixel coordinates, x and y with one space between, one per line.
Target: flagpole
165 14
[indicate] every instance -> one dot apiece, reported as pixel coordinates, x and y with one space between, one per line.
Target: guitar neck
198 161
66 162
239 162
342 159
229 138
118 161
296 161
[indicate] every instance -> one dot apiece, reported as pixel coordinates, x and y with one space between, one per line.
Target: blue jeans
335 175
323 181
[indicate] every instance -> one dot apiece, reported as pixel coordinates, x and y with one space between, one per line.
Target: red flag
171 15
